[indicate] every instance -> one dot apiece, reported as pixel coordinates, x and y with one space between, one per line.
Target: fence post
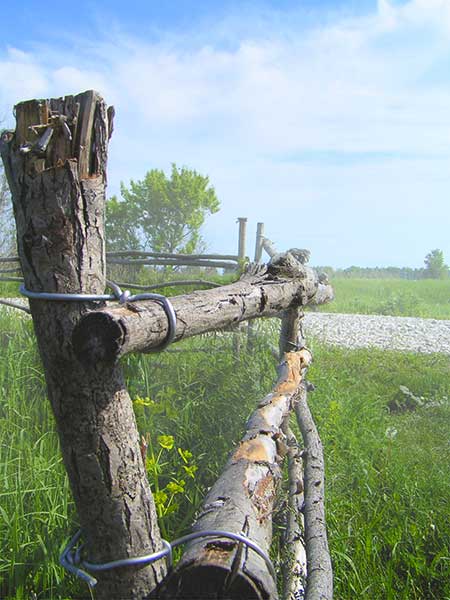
257 259
242 239
259 242
56 166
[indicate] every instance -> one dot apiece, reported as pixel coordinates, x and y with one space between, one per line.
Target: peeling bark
56 165
110 333
242 500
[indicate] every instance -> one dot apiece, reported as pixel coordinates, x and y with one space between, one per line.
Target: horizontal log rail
109 333
194 262
136 253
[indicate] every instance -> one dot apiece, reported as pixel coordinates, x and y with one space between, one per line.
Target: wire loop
123 297
71 558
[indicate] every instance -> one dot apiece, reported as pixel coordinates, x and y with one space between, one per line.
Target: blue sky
327 120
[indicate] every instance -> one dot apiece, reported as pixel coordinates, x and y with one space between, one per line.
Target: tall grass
387 492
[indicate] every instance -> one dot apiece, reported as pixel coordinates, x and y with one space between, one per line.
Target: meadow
428 298
387 464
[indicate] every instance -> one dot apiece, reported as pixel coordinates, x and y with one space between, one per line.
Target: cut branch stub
56 167
110 333
242 500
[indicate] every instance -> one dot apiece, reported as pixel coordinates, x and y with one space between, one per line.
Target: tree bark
58 192
242 500
110 333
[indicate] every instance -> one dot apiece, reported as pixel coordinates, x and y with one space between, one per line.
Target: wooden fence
55 162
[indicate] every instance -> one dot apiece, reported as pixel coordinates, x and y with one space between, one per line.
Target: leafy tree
161 214
435 266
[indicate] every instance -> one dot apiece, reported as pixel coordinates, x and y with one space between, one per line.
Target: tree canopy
161 214
435 266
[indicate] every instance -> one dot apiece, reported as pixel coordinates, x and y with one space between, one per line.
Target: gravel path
392 333
360 331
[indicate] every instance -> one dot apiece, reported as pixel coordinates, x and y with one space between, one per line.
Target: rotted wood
56 165
109 333
320 573
242 501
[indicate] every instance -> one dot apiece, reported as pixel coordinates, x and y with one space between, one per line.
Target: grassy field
429 298
388 473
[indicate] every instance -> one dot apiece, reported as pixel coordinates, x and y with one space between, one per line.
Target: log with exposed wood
55 162
110 333
306 531
242 501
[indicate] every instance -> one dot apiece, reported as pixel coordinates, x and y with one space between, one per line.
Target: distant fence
138 258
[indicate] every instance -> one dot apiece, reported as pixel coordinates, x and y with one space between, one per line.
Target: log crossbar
109 333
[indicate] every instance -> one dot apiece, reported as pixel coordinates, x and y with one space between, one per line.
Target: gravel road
360 331
392 333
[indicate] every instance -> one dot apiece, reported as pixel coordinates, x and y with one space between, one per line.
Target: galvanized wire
122 296
72 560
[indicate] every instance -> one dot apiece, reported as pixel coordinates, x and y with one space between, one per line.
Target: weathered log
58 191
163 284
136 253
320 573
109 333
242 501
174 262
295 562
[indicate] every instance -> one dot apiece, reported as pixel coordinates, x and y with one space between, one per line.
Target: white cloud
277 119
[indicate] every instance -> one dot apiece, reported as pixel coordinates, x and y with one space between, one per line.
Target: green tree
435 266
161 214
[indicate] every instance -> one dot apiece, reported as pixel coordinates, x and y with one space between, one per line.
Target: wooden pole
257 260
259 242
320 570
56 166
242 239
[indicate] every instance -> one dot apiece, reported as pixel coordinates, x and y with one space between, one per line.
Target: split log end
184 584
97 339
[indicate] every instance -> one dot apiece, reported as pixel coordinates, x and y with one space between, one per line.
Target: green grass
429 298
387 495
388 475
